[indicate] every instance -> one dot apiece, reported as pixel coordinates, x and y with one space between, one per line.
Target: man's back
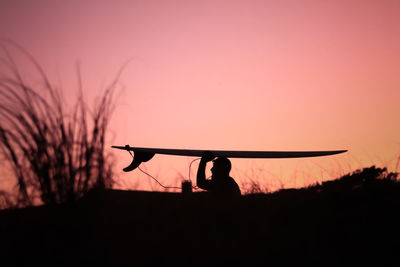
225 187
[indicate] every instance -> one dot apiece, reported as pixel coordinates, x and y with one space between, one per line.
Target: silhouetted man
221 184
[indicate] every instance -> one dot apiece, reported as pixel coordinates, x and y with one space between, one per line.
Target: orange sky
249 75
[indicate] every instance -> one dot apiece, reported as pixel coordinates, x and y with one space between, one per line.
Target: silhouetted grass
56 153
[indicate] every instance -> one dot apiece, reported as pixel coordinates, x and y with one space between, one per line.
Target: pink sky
249 75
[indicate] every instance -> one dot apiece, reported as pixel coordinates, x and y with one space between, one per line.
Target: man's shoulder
232 180
234 184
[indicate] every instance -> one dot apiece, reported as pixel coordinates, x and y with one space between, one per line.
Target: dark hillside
324 225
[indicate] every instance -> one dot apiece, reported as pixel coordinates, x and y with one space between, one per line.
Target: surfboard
232 153
143 154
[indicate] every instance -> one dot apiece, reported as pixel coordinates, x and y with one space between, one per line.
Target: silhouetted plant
5 200
250 186
56 154
360 179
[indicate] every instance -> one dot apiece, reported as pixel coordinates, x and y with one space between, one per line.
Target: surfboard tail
138 158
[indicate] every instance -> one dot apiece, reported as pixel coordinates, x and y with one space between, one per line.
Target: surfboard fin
139 157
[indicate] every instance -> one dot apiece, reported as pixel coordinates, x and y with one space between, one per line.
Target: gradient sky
234 75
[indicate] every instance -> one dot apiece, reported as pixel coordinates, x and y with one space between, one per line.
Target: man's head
221 167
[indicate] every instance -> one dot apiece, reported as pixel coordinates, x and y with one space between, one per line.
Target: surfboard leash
166 187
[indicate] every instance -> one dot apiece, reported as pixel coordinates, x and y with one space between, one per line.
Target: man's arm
201 171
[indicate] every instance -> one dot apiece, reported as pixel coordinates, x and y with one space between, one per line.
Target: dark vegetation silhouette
371 179
56 154
351 221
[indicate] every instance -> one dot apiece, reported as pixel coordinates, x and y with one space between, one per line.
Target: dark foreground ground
321 226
